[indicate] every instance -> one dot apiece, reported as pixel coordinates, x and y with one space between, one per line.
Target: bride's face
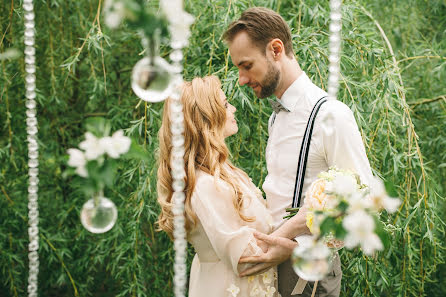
231 124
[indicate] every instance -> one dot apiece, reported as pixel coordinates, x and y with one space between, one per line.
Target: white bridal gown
221 237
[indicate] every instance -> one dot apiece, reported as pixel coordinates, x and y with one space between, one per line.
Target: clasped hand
275 251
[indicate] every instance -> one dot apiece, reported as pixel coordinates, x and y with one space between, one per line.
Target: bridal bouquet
343 211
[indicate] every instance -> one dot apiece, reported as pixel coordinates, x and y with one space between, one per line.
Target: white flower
270 291
77 159
343 185
391 204
379 199
233 289
82 171
268 277
91 146
360 231
116 145
358 202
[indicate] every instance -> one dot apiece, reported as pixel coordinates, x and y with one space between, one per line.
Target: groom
260 46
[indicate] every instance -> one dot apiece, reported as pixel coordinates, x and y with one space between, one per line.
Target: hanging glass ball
152 82
312 260
99 216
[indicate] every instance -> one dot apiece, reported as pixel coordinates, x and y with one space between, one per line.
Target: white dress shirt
335 142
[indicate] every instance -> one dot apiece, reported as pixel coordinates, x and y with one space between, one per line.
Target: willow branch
403 98
427 100
421 57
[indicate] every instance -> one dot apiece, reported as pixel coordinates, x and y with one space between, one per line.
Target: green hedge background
393 78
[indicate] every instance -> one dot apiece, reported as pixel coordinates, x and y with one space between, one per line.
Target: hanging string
33 147
335 48
178 174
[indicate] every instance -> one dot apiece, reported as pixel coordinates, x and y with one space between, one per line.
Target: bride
223 207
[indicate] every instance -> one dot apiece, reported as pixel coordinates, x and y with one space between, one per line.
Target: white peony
360 228
77 159
91 146
115 145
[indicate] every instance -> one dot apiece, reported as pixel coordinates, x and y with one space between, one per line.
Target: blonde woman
223 207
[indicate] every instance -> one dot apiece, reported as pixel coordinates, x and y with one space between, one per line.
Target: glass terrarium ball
312 260
152 82
100 217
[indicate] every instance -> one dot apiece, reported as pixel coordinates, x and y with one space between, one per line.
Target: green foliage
83 71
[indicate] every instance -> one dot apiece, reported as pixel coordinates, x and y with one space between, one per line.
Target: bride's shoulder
204 180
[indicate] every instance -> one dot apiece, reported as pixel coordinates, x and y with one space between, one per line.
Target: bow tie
277 106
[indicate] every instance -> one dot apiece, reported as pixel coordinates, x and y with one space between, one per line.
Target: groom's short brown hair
262 25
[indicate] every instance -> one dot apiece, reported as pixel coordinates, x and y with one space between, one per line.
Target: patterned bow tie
277 106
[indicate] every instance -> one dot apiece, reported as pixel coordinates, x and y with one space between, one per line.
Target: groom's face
256 68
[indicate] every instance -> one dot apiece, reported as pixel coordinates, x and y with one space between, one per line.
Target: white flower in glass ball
116 145
152 79
312 260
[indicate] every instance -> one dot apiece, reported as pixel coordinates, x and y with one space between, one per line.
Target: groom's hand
278 250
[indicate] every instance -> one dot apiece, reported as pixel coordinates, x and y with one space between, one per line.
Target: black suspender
303 155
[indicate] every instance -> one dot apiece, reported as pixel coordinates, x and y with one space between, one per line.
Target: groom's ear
276 48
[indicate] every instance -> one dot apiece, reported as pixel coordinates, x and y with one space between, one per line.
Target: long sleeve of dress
212 202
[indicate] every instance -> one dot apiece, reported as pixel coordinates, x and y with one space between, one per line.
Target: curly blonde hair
205 149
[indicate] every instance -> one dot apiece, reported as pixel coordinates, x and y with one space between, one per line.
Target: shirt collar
295 91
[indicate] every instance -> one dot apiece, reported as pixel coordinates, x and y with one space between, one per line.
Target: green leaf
381 232
390 188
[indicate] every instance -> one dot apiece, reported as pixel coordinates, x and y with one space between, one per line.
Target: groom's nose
242 79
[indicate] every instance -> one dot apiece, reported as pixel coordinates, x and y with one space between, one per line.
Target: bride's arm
230 239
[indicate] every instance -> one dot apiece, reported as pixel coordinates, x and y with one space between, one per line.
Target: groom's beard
270 82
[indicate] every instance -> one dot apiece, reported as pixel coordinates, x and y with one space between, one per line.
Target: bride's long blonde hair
205 148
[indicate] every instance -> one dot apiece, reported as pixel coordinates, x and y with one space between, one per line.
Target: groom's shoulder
337 108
